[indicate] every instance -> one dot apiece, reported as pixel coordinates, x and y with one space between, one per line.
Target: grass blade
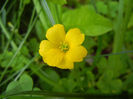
70 95
25 67
5 31
32 23
48 12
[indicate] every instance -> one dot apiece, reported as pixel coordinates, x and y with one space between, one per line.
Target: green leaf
89 43
26 82
12 86
36 89
5 58
128 83
25 51
61 2
68 84
129 36
102 7
33 45
113 8
108 86
52 75
40 31
18 62
120 67
116 85
91 78
102 65
91 23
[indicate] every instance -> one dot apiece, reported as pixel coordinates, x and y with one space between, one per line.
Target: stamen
64 47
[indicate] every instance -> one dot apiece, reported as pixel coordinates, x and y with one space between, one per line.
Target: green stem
121 26
98 52
99 48
120 30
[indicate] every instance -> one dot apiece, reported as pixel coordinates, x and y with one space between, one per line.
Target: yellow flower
62 50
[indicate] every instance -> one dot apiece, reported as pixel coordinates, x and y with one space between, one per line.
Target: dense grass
108 29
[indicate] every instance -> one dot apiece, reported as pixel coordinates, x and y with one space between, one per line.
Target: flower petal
66 64
74 37
53 57
56 34
45 46
76 53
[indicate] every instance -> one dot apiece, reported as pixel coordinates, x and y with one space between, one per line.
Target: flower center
64 47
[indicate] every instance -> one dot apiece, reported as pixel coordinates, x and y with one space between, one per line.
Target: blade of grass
41 14
59 13
25 67
43 76
20 12
119 53
7 34
5 49
31 24
3 7
4 16
2 42
9 78
4 22
47 10
11 6
19 72
54 11
70 95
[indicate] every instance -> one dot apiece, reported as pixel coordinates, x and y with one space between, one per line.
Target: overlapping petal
76 53
66 63
53 57
74 37
45 46
56 34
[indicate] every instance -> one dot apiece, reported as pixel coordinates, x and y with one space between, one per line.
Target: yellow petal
66 64
45 46
76 53
53 57
74 37
56 34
